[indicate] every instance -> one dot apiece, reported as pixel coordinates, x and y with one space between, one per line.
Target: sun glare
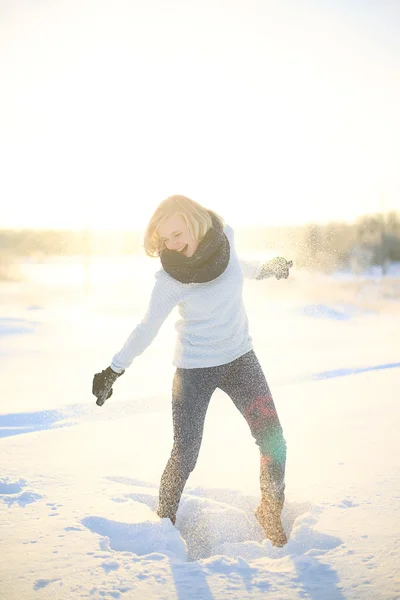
284 126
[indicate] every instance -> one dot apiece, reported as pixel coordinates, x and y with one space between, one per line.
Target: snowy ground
78 483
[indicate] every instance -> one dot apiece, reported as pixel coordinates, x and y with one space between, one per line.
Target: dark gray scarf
207 263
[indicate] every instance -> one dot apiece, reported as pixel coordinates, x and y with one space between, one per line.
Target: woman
202 275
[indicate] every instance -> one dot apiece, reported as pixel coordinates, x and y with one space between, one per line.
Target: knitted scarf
207 263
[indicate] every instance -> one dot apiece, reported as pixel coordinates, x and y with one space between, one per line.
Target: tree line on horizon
369 240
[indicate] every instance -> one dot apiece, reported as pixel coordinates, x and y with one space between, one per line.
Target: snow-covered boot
268 513
163 513
171 518
171 487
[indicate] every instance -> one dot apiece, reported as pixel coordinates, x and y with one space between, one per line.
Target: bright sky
268 111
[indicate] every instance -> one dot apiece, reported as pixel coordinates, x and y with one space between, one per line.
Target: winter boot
268 513
171 488
172 519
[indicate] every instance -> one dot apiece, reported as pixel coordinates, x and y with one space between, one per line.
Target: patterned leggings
244 381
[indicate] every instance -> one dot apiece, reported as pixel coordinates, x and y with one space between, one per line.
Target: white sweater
213 328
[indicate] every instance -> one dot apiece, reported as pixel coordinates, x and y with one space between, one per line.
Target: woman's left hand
278 267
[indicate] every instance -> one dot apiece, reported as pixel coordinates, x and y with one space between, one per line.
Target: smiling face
175 235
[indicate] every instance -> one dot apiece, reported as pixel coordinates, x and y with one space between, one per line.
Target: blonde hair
197 218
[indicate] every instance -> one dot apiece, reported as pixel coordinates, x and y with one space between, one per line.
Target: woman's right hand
102 384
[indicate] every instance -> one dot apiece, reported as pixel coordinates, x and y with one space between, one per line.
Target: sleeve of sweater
251 269
164 297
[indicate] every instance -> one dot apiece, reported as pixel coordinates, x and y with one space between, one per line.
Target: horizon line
256 225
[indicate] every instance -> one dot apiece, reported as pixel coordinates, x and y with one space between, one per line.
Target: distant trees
37 243
17 245
379 235
371 240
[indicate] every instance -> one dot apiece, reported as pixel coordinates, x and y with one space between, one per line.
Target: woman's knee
260 413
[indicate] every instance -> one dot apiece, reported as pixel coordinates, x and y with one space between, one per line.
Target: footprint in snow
347 503
14 492
53 509
14 487
42 583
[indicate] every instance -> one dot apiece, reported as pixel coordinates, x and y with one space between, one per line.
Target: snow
79 483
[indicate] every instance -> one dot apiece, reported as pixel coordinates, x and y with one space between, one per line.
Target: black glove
278 267
102 384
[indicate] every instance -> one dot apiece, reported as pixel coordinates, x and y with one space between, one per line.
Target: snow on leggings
244 382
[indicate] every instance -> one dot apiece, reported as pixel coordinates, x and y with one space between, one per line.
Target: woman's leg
245 383
191 393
